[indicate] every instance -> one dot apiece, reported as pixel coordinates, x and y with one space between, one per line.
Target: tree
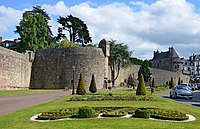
78 31
65 43
153 83
93 87
81 86
144 69
179 81
141 89
171 84
34 31
119 57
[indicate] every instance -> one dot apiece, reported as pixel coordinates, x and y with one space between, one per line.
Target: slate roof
162 55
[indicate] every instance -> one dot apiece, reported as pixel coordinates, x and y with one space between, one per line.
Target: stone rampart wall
15 69
52 68
160 76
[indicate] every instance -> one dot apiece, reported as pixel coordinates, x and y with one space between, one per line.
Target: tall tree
144 69
34 31
78 31
119 57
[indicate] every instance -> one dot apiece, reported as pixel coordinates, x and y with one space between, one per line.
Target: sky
144 25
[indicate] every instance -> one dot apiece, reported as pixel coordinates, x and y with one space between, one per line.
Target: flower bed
113 97
164 114
116 112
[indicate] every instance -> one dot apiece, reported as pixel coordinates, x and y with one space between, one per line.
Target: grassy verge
21 119
21 92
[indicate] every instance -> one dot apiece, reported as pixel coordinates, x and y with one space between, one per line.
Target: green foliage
141 113
34 31
86 112
171 84
65 43
77 29
81 86
179 81
144 69
136 61
141 89
153 83
119 57
93 87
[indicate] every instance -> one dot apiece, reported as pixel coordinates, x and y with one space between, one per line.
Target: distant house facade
192 66
11 44
168 60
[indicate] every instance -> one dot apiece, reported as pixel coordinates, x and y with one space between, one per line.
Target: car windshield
182 87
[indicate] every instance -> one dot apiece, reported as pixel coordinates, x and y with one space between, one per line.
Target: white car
181 91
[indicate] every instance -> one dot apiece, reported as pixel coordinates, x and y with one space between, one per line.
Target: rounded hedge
86 112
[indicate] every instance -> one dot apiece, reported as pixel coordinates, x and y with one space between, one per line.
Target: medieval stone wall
52 68
160 76
15 69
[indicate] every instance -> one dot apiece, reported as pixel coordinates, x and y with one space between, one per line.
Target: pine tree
93 87
153 83
81 86
141 89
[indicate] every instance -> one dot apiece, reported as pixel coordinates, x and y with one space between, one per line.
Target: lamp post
73 70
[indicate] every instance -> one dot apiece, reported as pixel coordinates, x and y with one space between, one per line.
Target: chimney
16 40
0 40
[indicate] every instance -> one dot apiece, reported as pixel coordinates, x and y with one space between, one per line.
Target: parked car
181 91
194 86
187 85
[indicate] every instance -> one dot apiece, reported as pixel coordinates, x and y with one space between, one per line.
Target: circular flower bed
88 112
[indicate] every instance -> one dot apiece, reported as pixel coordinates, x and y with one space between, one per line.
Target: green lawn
20 92
20 119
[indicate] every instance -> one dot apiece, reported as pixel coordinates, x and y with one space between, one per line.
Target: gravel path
9 104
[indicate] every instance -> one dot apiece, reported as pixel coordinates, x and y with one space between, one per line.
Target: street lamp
73 70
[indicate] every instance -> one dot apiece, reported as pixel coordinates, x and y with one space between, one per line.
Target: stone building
168 60
191 66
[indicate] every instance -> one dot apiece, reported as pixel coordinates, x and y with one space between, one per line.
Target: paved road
9 104
195 101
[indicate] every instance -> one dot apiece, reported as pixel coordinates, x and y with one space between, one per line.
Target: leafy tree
144 69
93 87
179 81
81 86
136 61
119 57
78 31
171 84
65 43
141 89
34 31
153 83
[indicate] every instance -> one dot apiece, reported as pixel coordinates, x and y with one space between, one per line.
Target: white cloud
9 18
144 27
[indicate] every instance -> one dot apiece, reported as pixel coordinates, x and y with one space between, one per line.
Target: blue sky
145 25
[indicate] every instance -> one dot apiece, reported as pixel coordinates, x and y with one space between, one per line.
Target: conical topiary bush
93 87
141 89
81 86
153 83
171 83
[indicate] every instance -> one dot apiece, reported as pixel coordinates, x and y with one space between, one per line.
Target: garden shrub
86 112
141 89
141 113
93 87
81 86
171 84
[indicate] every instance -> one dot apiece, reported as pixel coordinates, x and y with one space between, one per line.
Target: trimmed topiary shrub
81 86
141 89
141 113
153 83
93 87
86 112
171 84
